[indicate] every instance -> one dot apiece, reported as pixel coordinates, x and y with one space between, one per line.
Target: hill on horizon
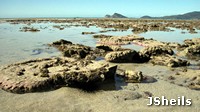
115 15
190 15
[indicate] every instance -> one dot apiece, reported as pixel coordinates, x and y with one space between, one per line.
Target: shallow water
17 46
172 36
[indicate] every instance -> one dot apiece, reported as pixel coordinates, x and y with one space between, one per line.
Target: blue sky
95 8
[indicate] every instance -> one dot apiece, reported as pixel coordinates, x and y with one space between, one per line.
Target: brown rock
156 50
133 76
169 61
126 56
64 71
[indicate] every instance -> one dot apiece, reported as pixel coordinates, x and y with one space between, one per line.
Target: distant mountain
146 17
115 15
190 15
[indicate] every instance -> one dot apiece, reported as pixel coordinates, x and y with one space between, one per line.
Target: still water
17 46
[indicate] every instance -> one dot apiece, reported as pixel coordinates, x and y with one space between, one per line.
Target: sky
95 8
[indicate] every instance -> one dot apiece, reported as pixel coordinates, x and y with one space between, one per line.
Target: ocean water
172 36
17 46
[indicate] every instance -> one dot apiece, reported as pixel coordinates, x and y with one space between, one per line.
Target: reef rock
193 41
193 50
48 73
169 61
126 56
77 51
102 36
156 50
133 76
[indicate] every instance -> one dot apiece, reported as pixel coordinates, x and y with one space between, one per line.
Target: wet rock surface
77 51
119 40
156 50
29 29
86 33
127 56
49 73
133 76
169 61
190 48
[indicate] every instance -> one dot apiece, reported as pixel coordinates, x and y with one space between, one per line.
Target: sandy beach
131 98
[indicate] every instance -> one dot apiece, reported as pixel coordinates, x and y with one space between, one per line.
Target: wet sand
131 97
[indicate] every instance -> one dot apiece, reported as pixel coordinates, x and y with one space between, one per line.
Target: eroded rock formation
48 73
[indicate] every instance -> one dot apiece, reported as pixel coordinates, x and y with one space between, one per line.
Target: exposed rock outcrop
156 50
77 51
169 61
126 56
193 50
44 74
190 48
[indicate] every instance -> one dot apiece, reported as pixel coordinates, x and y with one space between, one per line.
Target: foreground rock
77 51
44 74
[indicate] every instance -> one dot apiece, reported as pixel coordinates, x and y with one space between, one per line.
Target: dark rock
86 33
61 42
101 36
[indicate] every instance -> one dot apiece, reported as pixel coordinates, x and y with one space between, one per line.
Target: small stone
133 76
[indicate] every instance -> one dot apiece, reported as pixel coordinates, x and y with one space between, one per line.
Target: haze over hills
190 15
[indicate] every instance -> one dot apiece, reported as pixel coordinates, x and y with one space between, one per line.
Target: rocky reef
127 56
77 51
170 61
190 48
